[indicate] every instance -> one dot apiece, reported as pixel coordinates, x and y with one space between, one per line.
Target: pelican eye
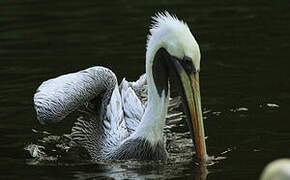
187 64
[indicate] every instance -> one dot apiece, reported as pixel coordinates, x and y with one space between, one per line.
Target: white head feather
169 32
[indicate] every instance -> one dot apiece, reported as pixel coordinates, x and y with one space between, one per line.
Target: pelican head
173 35
173 56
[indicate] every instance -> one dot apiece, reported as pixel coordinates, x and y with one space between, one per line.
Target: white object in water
277 170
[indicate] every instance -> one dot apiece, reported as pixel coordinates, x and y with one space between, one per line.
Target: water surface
245 69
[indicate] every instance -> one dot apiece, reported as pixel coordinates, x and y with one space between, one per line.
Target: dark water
245 68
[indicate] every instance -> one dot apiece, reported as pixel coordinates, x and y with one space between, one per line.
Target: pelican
126 121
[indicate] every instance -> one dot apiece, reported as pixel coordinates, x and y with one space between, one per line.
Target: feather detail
133 108
115 115
164 21
58 97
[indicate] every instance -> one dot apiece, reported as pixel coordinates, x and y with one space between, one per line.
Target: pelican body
126 121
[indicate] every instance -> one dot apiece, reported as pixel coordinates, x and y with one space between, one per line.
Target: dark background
245 64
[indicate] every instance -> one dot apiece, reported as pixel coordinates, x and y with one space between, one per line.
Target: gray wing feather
100 139
140 88
133 107
58 97
115 115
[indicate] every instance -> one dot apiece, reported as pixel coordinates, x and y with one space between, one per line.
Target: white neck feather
153 121
174 35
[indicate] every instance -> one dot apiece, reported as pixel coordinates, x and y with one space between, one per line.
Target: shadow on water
244 78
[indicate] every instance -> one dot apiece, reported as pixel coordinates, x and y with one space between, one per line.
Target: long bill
191 90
